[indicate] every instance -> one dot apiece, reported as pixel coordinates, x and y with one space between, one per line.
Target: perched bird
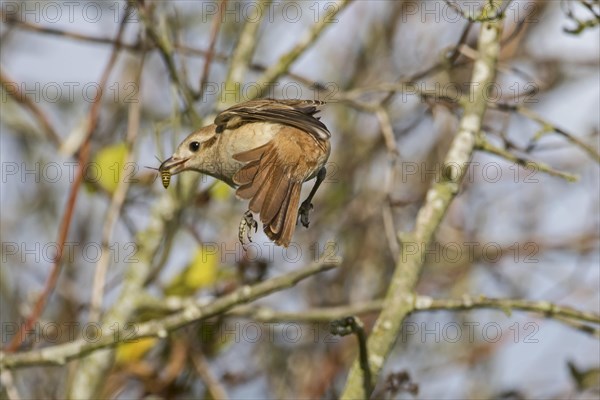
266 149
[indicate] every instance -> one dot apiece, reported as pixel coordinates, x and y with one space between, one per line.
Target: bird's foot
246 224
303 212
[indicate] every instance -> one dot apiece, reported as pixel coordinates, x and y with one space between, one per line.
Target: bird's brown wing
272 178
296 113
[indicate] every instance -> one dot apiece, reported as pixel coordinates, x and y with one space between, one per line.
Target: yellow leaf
220 191
200 272
134 351
108 167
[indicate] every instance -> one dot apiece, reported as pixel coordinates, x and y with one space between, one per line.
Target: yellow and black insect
166 178
165 175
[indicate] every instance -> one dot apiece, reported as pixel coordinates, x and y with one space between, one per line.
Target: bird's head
189 153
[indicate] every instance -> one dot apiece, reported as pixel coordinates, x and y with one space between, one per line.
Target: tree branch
420 304
12 89
195 311
548 127
397 304
484 145
165 48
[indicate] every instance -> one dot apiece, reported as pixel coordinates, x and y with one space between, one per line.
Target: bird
265 149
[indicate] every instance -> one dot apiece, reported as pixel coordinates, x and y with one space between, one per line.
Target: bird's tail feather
273 192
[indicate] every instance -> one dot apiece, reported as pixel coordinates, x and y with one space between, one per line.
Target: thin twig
483 15
387 130
450 59
279 68
581 25
515 33
242 54
12 89
30 26
116 204
548 126
165 49
484 145
214 33
213 386
346 326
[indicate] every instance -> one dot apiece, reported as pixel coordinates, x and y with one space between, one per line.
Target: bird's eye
194 146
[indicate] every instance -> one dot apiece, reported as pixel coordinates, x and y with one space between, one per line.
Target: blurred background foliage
510 233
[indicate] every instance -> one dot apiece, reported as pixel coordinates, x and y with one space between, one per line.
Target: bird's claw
246 224
303 212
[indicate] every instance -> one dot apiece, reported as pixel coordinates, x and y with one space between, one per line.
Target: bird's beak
173 165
